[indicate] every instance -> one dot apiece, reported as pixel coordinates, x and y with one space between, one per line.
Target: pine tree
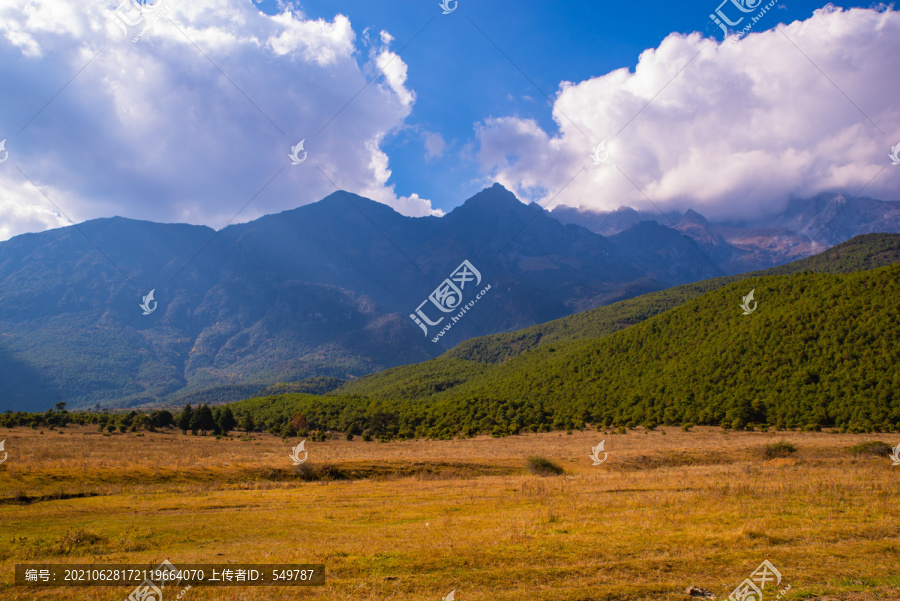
184 418
203 420
227 422
247 424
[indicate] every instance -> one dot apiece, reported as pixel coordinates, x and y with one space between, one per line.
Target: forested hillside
862 252
819 351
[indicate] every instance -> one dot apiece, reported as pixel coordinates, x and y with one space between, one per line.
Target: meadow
668 509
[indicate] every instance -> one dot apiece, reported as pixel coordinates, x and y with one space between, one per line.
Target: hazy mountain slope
322 290
805 227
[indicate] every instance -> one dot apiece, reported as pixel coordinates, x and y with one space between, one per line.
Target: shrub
871 447
541 466
781 448
311 473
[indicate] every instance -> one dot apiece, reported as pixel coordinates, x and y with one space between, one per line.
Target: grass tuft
871 447
541 466
782 448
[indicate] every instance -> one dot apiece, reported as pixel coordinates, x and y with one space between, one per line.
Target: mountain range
805 227
328 289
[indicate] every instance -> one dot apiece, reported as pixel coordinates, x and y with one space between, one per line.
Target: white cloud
746 125
154 130
35 215
434 145
394 70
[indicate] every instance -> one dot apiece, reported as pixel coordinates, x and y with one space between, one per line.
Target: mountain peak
493 201
496 195
692 216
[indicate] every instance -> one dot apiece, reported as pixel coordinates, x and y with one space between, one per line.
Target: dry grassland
417 519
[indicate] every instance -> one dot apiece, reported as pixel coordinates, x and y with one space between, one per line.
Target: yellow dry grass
422 518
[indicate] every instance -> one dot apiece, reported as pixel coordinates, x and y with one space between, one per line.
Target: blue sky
460 77
193 119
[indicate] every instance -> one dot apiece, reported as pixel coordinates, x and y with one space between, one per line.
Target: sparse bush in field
349 436
686 427
541 466
78 542
871 447
781 448
367 435
123 428
309 472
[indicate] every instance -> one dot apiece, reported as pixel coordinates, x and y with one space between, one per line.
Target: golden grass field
667 510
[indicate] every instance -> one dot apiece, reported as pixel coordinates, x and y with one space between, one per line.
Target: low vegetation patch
781 448
541 466
314 473
871 447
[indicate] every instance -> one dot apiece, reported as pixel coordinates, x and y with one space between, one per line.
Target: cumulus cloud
745 126
191 115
